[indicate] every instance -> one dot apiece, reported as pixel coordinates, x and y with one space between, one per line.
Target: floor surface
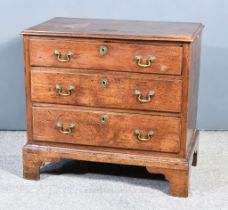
81 185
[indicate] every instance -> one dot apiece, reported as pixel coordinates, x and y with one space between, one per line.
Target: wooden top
116 29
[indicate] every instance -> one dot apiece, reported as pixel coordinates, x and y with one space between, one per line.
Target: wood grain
117 29
176 170
194 75
32 162
118 57
171 114
28 88
190 82
178 180
118 132
120 92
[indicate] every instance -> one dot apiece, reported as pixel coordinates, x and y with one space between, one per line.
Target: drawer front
106 90
107 129
143 58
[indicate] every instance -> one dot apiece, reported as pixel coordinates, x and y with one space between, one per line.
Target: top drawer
142 58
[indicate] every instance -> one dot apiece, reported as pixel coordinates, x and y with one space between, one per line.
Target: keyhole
104 119
103 50
104 83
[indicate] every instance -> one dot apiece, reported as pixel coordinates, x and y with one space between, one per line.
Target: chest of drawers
112 91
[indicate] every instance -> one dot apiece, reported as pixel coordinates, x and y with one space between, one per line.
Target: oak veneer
168 58
117 29
118 132
83 102
120 92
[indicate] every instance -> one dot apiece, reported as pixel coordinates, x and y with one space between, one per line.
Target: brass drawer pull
149 60
68 92
142 138
67 131
144 100
63 58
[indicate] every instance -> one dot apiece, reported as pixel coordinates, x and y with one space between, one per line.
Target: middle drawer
111 90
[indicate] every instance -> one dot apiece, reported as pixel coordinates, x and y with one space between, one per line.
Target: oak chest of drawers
113 91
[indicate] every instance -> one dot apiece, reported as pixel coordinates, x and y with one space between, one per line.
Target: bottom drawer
105 128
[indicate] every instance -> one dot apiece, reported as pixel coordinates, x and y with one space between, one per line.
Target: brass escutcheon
104 119
103 50
104 83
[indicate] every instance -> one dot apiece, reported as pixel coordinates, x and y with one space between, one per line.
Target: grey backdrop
17 15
